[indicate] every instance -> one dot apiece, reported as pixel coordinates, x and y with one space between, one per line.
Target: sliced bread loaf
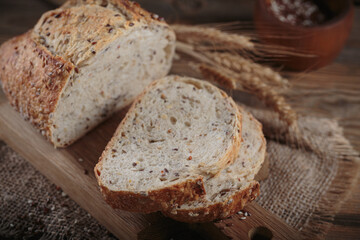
178 132
228 192
82 62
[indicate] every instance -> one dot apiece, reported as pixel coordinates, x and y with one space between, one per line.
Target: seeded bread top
79 29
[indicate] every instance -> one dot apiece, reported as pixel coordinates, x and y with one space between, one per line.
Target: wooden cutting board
72 170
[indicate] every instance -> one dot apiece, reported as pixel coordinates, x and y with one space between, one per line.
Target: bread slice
228 193
178 132
82 62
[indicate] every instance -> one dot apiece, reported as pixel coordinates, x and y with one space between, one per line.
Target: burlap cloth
310 176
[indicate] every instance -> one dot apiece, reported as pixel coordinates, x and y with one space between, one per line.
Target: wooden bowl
321 43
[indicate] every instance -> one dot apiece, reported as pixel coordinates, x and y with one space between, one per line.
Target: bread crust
32 79
167 197
131 9
34 74
220 210
154 200
98 22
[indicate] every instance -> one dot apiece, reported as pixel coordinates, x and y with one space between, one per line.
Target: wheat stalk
252 84
236 63
233 71
211 74
213 36
240 64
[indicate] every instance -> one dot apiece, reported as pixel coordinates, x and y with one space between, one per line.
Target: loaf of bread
228 192
82 62
178 133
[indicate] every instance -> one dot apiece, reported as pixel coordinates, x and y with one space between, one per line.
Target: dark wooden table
337 94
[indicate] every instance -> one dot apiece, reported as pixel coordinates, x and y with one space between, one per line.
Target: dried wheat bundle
240 64
212 36
232 67
251 84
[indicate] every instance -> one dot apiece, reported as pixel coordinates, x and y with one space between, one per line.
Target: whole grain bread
228 192
179 132
82 62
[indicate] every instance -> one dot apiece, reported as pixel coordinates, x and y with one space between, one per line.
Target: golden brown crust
80 29
32 79
154 200
222 210
131 9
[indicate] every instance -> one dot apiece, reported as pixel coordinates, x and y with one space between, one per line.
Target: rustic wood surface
77 179
335 93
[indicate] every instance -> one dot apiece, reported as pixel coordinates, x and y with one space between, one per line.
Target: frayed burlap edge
338 192
348 160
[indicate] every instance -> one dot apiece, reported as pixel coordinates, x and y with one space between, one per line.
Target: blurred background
17 16
196 10
332 91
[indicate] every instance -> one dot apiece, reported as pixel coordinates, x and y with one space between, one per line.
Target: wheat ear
240 64
213 36
252 84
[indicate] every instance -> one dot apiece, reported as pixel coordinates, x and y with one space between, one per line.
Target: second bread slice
228 193
177 133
